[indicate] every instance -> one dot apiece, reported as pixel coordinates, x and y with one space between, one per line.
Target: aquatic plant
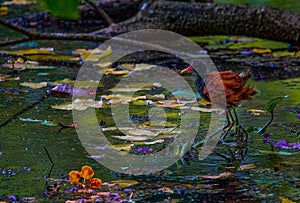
86 173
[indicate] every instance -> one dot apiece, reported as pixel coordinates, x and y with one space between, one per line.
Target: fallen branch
33 35
189 19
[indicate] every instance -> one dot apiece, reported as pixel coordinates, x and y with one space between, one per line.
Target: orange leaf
74 177
86 172
95 183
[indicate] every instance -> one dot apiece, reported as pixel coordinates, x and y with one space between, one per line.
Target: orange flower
95 183
86 173
74 177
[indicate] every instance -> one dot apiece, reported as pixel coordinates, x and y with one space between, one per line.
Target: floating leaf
17 65
150 143
266 44
122 147
207 110
79 104
122 99
91 54
43 122
133 138
247 167
3 10
34 85
266 181
23 52
30 120
66 90
125 183
112 71
8 78
47 58
261 51
276 153
19 2
256 112
283 54
285 200
37 67
171 104
165 189
220 176
240 39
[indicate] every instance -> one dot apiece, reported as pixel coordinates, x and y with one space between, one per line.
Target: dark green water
24 164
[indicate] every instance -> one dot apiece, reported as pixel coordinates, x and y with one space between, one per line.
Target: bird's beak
189 69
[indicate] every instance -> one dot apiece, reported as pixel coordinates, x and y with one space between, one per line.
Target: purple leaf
281 144
66 90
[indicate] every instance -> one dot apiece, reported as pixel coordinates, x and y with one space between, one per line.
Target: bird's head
189 69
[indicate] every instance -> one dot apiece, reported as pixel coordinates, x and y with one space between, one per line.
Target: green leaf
272 103
65 9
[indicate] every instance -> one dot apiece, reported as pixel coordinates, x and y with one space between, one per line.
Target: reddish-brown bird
233 84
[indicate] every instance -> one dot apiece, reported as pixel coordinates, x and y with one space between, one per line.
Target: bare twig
101 12
49 157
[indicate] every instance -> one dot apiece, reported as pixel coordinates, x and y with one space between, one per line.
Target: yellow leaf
149 143
112 71
283 54
122 147
207 110
262 51
8 78
79 104
256 112
246 167
125 183
22 52
34 85
19 2
3 10
16 66
285 200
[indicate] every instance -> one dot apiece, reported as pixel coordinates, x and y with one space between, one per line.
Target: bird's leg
241 137
229 125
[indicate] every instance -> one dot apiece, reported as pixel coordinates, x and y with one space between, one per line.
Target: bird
235 91
233 85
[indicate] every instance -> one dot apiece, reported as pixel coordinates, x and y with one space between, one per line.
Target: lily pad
34 85
125 183
79 104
